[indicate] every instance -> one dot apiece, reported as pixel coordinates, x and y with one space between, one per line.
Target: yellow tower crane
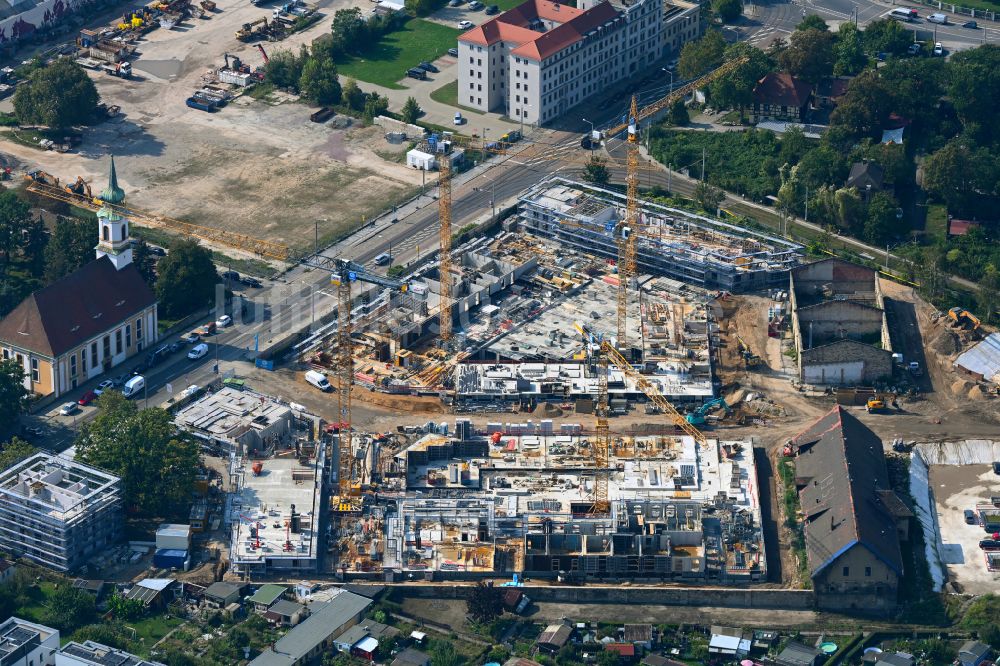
348 499
626 241
444 212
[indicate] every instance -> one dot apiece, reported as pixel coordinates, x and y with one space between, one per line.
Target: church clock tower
113 239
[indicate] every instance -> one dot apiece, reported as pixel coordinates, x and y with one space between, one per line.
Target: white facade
24 643
540 59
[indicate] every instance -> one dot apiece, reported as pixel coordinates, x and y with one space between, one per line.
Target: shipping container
173 537
166 558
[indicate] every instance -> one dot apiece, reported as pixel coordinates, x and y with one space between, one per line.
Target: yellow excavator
248 31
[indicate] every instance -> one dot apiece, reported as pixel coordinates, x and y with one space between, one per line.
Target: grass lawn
151 629
936 227
39 598
448 94
504 5
979 4
386 61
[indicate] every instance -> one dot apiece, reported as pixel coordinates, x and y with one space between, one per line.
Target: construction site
519 498
276 470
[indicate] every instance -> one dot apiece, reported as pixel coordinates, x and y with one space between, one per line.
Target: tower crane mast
444 212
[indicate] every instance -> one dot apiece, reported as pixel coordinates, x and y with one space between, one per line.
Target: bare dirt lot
257 167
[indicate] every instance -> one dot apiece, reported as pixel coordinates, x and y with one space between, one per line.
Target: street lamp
671 78
493 192
590 141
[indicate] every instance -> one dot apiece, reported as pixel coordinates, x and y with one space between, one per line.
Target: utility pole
670 170
703 165
807 203
316 247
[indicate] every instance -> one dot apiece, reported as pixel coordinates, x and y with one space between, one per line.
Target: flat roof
57 486
229 412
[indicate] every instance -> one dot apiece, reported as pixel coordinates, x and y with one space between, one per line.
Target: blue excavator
697 417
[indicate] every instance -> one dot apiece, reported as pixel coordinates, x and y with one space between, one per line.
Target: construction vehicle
208 5
697 417
750 358
253 30
263 54
875 404
345 273
80 188
43 177
963 318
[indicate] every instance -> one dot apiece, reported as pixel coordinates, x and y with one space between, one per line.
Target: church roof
90 301
113 193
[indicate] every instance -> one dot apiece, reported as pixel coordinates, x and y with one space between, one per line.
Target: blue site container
168 558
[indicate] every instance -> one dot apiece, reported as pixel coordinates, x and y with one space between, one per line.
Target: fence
958 9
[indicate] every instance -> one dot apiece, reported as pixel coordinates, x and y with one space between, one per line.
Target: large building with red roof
540 59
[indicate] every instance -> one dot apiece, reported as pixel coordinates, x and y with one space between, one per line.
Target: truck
122 70
940 19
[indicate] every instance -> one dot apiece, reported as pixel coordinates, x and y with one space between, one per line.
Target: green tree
708 196
794 145
974 90
110 634
988 298
677 114
142 258
735 89
348 29
34 239
319 81
813 22
886 36
880 219
70 247
823 165
608 657
702 54
961 175
865 107
809 55
596 171
60 95
284 70
375 106
125 609
727 10
187 279
352 96
16 449
443 654
15 217
13 395
484 603
69 608
156 463
411 111
849 51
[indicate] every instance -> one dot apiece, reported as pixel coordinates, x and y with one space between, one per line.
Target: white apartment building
24 643
540 59
58 512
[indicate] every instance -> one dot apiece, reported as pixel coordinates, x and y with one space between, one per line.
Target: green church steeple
113 193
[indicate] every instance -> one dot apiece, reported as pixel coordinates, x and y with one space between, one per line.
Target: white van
134 386
941 19
198 351
319 380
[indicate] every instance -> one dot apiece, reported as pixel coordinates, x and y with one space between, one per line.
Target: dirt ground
257 167
957 488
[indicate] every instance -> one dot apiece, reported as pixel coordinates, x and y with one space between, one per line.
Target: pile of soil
961 387
946 342
547 409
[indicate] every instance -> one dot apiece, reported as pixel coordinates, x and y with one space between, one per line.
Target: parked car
190 338
87 398
493 9
157 250
453 52
938 49
972 25
996 468
252 282
417 73
475 5
198 351
175 347
428 67
106 385
230 275
914 48
223 321
458 118
69 408
970 517
134 386
989 544
465 25
454 3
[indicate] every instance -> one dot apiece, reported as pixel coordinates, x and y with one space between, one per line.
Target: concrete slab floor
957 488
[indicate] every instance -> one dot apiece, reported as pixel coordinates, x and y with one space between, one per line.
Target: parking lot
957 488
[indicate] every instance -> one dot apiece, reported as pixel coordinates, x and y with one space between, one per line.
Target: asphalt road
765 21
